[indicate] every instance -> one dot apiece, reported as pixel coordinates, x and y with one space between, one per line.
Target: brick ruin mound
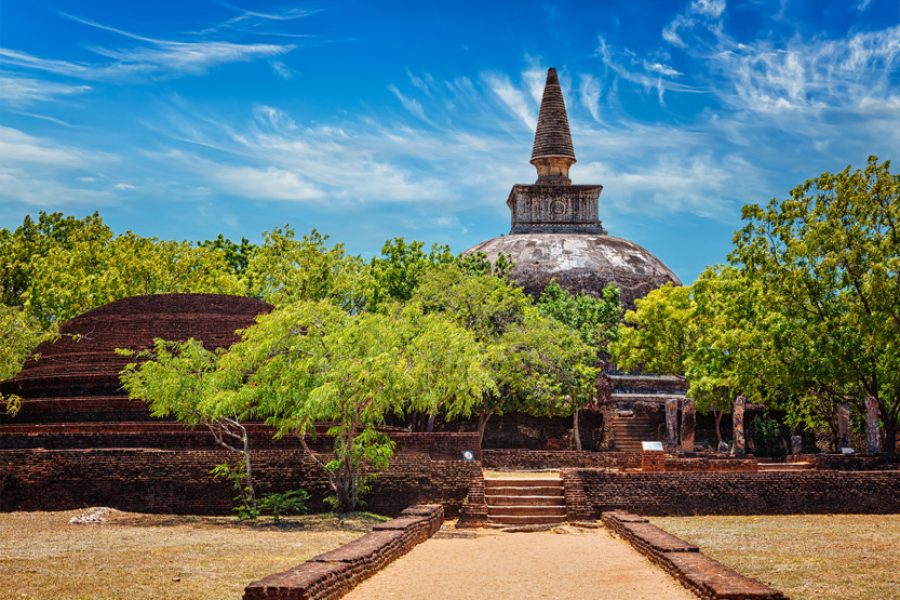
76 378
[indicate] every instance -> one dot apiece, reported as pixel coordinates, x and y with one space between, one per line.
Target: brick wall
742 493
426 468
558 459
332 574
710 463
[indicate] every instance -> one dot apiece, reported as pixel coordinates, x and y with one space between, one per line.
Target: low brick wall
851 462
334 573
741 493
703 463
559 459
426 468
709 579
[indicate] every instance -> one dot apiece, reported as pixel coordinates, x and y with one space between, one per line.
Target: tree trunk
576 430
718 414
483 419
248 469
430 426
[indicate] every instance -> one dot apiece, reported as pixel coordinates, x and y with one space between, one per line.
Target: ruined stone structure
76 378
79 440
556 234
556 231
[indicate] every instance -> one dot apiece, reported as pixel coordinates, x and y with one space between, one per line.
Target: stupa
556 231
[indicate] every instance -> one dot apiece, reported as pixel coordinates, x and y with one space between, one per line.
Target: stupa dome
579 263
76 378
556 231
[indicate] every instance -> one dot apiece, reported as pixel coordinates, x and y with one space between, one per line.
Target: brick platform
426 468
705 577
334 573
741 493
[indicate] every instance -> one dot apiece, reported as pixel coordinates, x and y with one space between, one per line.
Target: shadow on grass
357 521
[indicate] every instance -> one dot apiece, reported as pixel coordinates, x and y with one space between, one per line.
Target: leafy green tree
595 319
285 269
312 362
543 368
827 264
20 334
178 380
659 334
397 272
87 273
237 256
34 239
694 332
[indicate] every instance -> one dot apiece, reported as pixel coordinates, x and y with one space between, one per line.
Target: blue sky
369 120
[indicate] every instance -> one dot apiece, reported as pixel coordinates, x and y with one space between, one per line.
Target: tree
697 332
397 272
20 334
827 263
483 304
285 270
177 381
312 362
543 368
595 319
20 248
237 256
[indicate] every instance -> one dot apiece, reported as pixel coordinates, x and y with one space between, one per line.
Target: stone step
496 500
494 483
525 519
522 511
525 491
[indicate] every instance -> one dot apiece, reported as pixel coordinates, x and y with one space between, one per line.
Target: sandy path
494 565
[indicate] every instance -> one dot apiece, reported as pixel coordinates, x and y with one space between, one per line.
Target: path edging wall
336 572
707 578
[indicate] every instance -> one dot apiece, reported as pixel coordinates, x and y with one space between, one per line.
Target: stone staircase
513 502
628 431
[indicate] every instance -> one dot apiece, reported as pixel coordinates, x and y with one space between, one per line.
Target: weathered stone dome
579 263
76 378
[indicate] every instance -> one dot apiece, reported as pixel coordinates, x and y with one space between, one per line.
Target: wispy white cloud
21 91
589 94
149 58
19 147
282 70
410 104
811 74
513 99
709 8
45 190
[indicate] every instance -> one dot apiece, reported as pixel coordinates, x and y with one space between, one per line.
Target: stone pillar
796 445
671 424
688 423
737 416
843 414
873 435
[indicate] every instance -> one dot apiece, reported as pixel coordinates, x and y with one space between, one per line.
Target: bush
290 502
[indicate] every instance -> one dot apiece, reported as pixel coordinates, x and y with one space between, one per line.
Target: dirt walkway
493 565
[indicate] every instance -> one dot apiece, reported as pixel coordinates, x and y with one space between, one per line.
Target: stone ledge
333 574
707 578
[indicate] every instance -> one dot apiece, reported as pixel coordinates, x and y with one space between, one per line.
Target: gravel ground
562 564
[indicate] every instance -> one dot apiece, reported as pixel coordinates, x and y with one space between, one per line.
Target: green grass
808 557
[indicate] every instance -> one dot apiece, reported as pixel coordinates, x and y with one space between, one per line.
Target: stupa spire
553 153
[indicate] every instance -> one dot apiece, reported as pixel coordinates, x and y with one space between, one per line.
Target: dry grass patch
814 557
139 556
